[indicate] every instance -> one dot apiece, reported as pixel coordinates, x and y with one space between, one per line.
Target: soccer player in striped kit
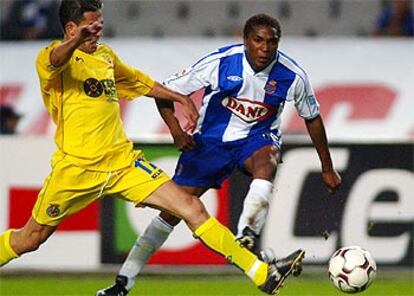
246 87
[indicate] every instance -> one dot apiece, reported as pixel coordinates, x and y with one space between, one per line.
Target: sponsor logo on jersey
270 87
78 59
234 78
93 87
248 110
53 210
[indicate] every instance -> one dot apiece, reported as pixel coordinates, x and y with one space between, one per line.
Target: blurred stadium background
364 83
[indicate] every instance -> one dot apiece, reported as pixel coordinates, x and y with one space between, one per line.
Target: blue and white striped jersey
239 102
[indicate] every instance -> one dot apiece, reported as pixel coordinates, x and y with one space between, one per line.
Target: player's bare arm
75 37
316 131
182 140
189 109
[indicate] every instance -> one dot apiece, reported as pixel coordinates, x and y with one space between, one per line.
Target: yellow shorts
70 188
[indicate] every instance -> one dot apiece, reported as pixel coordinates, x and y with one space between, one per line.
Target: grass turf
80 285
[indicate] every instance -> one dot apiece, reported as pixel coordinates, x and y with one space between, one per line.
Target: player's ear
245 40
70 28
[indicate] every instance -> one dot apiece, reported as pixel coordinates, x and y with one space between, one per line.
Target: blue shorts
210 162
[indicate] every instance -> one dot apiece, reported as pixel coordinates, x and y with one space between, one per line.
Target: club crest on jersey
247 110
53 210
270 87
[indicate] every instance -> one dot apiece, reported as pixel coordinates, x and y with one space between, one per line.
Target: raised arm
317 133
62 53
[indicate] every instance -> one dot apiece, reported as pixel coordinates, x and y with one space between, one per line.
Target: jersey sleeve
306 103
201 75
49 77
46 71
130 82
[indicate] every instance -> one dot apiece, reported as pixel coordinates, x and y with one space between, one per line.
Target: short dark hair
73 10
261 19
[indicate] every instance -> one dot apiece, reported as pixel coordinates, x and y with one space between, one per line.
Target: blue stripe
217 117
293 61
138 164
284 78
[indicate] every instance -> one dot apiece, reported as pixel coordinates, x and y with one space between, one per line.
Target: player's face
89 18
261 46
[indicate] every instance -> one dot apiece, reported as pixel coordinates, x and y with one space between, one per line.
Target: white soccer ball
352 269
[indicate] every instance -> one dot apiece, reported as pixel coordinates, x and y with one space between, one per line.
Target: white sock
255 206
147 244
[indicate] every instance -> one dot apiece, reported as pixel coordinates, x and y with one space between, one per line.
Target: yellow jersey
82 97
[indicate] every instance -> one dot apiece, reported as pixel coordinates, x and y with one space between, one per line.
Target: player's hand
332 180
183 141
191 114
91 32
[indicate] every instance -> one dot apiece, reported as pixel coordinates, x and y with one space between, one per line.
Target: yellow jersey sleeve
130 82
49 78
45 69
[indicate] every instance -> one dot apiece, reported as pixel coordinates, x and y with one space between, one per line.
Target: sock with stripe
220 239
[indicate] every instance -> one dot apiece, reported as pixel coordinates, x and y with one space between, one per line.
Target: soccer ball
352 269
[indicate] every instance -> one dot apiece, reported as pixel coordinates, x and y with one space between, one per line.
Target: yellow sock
220 239
6 251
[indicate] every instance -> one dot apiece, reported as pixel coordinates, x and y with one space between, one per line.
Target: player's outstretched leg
267 276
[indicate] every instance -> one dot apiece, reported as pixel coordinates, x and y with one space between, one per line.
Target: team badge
270 87
93 87
53 210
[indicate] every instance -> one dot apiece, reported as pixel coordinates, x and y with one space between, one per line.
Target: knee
266 171
196 209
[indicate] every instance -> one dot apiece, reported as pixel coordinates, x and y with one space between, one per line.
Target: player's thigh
66 190
138 182
263 162
260 155
205 166
171 198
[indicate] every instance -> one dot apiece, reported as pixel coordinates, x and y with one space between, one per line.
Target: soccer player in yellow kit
81 82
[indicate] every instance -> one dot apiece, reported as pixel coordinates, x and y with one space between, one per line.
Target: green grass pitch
152 285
